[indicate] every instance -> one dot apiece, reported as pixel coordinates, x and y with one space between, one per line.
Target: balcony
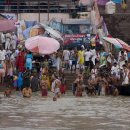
39 6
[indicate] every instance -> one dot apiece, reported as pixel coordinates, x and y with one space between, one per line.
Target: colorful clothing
29 58
47 80
20 61
81 57
62 88
44 89
20 81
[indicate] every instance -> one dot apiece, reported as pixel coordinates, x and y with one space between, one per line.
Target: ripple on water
114 112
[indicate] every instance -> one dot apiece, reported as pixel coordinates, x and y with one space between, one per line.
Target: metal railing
35 6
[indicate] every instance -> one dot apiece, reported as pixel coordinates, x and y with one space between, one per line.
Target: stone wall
118 24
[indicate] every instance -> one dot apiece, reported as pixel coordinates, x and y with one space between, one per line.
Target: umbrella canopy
42 45
7 25
52 32
113 41
124 45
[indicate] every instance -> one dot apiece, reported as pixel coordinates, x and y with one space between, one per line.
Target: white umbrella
55 34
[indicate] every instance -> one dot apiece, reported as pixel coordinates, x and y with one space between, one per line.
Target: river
67 113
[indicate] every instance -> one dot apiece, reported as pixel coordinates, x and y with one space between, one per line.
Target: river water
67 113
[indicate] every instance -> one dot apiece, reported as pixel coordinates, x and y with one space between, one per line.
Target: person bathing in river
102 85
78 80
56 88
7 92
27 92
44 87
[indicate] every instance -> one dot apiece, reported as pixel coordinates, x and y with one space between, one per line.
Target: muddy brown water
67 113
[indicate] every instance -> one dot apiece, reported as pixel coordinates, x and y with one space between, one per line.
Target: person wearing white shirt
115 70
88 54
14 40
13 59
58 62
16 52
8 41
122 58
3 40
94 55
2 54
8 54
66 57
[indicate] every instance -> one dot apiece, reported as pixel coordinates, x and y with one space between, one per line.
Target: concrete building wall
42 17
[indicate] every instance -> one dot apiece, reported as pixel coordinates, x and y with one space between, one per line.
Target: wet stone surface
67 113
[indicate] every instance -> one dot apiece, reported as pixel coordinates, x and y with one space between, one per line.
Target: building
43 6
118 24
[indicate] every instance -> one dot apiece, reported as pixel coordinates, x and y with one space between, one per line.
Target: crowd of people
98 72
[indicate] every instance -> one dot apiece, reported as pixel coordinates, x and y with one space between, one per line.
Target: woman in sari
20 61
44 88
45 75
81 58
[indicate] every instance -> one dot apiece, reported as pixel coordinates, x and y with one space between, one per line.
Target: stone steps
70 77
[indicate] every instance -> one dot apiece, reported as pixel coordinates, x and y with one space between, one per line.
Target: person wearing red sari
20 61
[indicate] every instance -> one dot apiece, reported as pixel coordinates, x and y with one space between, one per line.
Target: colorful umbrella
42 45
113 41
124 45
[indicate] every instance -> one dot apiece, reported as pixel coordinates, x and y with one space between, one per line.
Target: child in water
56 89
44 88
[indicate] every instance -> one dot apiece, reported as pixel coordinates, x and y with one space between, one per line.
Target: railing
35 6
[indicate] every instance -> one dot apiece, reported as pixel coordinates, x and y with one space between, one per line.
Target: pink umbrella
7 25
42 45
124 45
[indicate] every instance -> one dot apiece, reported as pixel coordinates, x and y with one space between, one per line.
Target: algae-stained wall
118 25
